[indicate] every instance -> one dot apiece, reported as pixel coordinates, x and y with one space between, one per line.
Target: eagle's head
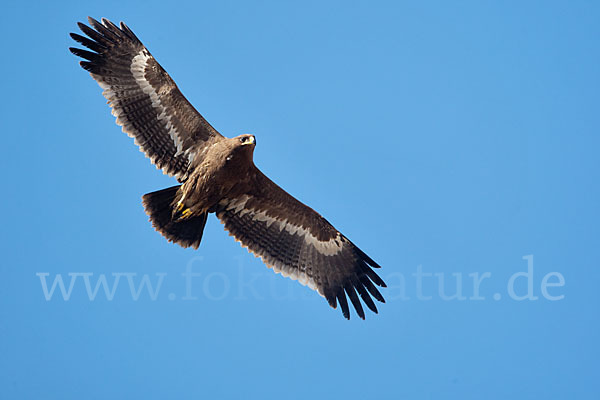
241 148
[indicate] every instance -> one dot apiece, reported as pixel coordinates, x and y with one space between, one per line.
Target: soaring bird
217 175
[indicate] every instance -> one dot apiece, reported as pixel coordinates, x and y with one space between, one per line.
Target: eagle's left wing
297 242
144 98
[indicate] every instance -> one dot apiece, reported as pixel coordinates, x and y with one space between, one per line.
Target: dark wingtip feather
128 32
88 66
364 295
104 30
111 26
372 288
331 300
341 297
96 36
92 21
355 301
362 255
373 276
88 55
108 23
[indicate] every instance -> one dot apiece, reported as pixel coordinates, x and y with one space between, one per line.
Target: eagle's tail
159 207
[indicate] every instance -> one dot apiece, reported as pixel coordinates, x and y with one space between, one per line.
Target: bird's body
217 175
224 168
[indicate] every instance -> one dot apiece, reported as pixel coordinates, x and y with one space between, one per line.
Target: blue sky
452 141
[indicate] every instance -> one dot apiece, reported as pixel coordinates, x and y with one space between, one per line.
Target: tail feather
159 207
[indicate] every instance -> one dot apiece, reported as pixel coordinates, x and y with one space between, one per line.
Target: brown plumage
218 175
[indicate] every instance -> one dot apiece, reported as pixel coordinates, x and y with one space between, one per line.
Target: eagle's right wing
144 98
297 242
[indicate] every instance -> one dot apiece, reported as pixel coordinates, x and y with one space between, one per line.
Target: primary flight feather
218 175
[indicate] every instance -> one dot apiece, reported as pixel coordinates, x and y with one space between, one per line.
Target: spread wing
297 242
144 98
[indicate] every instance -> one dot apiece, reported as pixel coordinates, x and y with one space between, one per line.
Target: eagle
217 175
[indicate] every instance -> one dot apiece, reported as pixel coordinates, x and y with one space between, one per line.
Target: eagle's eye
247 139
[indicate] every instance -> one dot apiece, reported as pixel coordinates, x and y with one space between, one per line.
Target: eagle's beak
252 140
